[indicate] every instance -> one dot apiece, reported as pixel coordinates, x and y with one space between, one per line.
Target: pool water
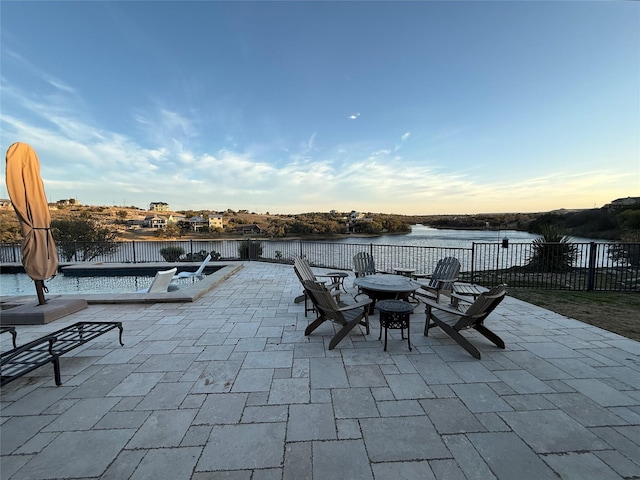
16 284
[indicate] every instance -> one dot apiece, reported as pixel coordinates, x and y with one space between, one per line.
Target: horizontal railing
575 266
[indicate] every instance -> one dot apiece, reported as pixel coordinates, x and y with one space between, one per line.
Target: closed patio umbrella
39 254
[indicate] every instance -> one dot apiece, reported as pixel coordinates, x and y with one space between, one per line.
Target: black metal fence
575 266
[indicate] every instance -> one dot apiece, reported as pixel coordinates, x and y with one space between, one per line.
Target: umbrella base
34 314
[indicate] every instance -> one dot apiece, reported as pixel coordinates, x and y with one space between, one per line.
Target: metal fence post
591 275
473 254
133 248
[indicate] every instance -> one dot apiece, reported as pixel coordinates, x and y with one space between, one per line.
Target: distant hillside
616 221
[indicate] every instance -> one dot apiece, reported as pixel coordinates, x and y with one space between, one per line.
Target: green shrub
552 251
200 256
249 249
172 254
195 257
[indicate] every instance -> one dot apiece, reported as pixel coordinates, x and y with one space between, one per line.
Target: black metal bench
24 359
28 357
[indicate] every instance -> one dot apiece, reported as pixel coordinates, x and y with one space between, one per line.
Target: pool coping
185 294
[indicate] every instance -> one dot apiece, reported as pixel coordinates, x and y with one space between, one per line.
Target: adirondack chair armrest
353 306
446 280
486 295
439 306
425 294
464 298
332 286
416 276
449 309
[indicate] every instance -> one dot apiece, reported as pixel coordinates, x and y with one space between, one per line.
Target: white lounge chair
197 273
160 282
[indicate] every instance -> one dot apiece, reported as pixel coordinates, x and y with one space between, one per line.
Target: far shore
144 236
205 238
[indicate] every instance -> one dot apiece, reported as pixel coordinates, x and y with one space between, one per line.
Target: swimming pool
16 284
118 283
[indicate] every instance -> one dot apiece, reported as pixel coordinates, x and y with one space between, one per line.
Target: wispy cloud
81 160
36 72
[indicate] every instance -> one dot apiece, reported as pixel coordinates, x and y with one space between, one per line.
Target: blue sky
291 107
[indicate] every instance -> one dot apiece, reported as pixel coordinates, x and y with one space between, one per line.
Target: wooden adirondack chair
363 264
347 316
464 316
441 281
303 271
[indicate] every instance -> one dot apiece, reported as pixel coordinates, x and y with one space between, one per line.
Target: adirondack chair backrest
323 300
447 268
363 264
303 269
481 307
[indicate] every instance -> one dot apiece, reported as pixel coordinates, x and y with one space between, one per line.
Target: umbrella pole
40 291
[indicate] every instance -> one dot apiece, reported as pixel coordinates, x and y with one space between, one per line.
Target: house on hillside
154 221
5 203
67 202
215 221
134 223
353 216
252 229
623 202
176 218
197 223
158 207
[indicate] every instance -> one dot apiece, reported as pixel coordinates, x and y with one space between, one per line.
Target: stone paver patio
229 387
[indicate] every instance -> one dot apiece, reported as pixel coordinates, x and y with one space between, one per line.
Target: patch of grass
615 312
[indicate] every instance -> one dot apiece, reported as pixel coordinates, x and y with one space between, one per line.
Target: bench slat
80 333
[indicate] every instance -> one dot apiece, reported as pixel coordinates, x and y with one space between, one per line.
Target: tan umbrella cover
39 254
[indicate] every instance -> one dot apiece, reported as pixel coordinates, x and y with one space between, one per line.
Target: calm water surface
422 236
16 284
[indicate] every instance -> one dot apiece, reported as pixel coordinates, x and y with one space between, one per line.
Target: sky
415 108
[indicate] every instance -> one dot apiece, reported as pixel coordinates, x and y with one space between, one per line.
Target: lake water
422 236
